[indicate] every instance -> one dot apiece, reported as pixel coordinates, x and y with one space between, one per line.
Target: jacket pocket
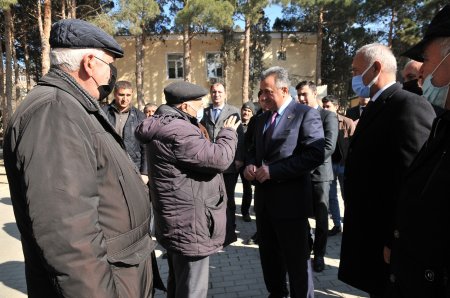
216 216
130 248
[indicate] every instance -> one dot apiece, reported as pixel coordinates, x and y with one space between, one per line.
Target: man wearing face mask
420 263
389 134
80 205
188 192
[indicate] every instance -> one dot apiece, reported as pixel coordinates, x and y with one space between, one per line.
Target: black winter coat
420 258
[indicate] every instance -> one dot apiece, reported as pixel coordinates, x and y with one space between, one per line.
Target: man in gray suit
213 120
321 176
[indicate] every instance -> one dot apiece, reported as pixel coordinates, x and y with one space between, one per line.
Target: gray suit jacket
324 172
214 127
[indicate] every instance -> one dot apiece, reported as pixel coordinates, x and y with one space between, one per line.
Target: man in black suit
213 120
289 143
321 176
388 136
355 112
420 249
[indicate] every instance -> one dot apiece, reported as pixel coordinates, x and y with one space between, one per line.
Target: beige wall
300 62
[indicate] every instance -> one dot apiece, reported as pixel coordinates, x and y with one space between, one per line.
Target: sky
272 12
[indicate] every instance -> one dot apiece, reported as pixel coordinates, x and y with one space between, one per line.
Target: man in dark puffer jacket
187 189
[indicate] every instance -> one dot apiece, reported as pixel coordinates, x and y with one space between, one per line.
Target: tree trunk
63 9
225 69
187 53
15 62
140 70
73 9
391 26
246 61
44 30
319 48
27 60
2 85
8 45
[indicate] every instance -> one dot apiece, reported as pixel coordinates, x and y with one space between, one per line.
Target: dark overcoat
388 136
420 261
82 208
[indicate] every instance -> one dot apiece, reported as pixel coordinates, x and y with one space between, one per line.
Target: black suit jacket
324 172
387 138
296 148
353 113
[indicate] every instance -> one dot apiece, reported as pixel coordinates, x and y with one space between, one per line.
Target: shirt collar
381 91
284 106
219 108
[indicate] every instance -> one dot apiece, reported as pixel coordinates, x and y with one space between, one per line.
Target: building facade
163 62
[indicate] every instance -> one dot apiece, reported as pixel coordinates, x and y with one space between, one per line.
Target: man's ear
183 107
377 66
87 64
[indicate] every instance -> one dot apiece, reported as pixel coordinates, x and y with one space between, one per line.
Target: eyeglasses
103 60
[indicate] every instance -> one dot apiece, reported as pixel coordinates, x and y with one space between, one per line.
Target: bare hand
232 123
262 173
249 172
387 255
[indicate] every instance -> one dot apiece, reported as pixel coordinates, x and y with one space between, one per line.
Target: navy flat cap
79 34
179 92
439 27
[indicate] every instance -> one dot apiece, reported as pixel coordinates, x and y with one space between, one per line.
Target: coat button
396 234
429 275
392 278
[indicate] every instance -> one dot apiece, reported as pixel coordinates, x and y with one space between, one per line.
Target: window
175 66
214 66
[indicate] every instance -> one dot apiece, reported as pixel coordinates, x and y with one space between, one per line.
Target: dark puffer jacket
134 148
187 189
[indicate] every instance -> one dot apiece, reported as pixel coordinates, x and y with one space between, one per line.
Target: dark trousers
230 180
321 192
188 276
283 247
246 194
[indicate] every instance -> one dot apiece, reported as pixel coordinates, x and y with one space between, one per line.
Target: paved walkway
234 272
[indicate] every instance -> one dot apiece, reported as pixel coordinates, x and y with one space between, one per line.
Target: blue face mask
358 85
435 95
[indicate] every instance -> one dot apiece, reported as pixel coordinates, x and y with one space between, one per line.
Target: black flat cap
439 27
78 34
179 92
249 105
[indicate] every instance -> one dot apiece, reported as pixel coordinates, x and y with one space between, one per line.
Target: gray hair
378 52
70 59
281 76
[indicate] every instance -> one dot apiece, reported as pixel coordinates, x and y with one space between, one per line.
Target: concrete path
234 272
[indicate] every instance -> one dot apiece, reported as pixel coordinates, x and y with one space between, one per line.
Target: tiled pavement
234 272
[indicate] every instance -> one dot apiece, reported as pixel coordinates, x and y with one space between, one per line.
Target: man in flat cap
81 207
420 257
186 186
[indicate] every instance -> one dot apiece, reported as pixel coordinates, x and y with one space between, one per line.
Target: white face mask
435 95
